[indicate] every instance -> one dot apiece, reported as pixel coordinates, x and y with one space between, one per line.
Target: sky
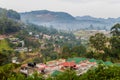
95 8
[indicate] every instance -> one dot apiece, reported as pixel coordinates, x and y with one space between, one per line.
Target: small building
41 68
69 65
21 49
37 36
30 33
15 60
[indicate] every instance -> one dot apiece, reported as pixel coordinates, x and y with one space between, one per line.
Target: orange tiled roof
68 64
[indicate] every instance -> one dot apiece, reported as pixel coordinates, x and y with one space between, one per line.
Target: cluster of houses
17 41
45 36
57 66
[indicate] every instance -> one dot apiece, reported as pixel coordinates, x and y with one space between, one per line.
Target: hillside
9 21
9 13
46 16
65 21
4 45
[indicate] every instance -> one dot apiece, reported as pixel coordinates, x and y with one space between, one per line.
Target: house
30 33
37 36
14 60
26 70
55 62
69 65
41 68
14 40
46 36
21 49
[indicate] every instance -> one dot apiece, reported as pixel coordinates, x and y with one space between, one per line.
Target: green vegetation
100 49
43 29
6 71
98 41
115 30
9 13
102 72
6 52
107 49
8 26
13 15
4 45
75 51
9 21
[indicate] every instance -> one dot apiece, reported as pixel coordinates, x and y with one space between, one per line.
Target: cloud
92 1
97 8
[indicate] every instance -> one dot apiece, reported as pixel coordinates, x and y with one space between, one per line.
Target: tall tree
8 26
115 30
98 41
115 46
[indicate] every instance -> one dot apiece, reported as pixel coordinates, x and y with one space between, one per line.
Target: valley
48 45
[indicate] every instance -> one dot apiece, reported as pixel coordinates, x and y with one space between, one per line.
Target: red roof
83 64
68 64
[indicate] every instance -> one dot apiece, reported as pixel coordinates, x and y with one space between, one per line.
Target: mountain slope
46 16
9 21
9 13
62 20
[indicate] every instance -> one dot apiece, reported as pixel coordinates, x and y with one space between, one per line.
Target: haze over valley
65 21
59 40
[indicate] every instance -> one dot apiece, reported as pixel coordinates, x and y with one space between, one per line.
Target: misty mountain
65 21
46 16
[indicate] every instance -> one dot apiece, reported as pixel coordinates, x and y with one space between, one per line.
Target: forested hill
9 14
65 21
46 16
9 21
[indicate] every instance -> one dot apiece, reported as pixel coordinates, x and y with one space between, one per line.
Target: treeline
106 48
9 21
43 29
10 14
99 47
8 26
48 30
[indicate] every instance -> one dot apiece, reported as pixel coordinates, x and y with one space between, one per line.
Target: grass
4 45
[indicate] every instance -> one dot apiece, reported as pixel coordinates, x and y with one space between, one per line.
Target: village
56 67
53 68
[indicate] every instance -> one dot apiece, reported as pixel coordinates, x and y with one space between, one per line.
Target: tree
6 71
115 30
2 58
102 72
115 42
98 41
115 46
8 26
13 14
79 50
67 75
65 52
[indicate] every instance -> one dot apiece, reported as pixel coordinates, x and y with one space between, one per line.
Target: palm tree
115 30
